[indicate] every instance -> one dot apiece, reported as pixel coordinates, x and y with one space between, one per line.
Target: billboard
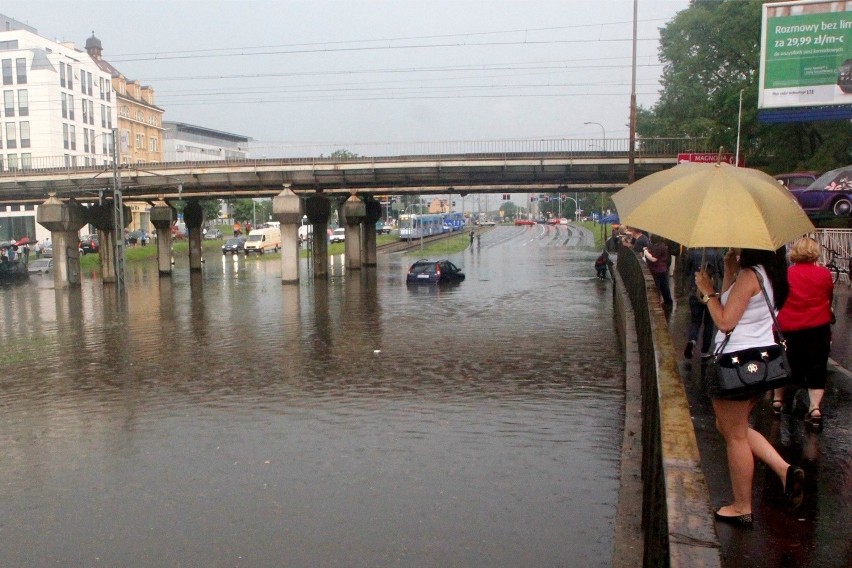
806 54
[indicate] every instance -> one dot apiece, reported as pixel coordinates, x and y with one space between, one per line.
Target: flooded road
223 419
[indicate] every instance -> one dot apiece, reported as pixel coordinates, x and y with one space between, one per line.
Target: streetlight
603 130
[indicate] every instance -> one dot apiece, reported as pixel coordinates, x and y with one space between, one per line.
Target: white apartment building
57 109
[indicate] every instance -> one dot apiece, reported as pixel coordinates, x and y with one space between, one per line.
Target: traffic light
506 197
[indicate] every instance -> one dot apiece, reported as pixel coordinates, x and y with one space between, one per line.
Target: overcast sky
291 72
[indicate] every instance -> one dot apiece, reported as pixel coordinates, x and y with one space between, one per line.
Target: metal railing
366 152
676 511
838 240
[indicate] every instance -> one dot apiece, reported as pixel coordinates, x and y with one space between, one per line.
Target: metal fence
839 241
338 152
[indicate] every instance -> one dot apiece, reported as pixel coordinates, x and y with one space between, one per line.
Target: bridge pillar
368 229
193 217
318 210
354 212
287 210
101 216
162 217
64 221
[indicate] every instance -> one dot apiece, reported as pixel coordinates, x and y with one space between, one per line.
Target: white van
263 240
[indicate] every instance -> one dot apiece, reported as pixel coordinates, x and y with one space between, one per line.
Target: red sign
706 158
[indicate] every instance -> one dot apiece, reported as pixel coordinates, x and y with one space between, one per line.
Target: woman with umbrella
742 312
719 205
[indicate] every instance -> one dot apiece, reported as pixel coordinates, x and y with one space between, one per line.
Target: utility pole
118 216
631 167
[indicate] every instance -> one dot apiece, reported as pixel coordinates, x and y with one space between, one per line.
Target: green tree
509 209
242 209
210 208
711 53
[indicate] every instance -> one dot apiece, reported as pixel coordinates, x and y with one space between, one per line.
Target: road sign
706 158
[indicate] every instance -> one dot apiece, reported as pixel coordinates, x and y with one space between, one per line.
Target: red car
524 222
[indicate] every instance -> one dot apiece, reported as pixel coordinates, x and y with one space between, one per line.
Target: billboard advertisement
806 54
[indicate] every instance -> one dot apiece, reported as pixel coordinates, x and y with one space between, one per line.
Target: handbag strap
782 341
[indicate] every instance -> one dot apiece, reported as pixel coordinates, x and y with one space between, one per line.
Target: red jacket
809 302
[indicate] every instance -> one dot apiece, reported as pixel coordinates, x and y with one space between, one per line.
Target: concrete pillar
368 229
287 210
102 217
162 217
193 217
64 221
318 210
354 212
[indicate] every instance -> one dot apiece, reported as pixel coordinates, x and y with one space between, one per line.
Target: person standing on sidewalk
742 311
699 317
805 321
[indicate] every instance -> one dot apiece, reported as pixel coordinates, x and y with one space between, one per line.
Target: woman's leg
732 423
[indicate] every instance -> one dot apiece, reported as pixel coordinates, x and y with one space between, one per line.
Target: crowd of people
730 295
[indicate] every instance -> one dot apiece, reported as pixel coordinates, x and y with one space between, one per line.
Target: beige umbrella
713 205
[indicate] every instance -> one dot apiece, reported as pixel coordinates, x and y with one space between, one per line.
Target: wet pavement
818 534
226 420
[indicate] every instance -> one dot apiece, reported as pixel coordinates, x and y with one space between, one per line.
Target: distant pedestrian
601 264
472 234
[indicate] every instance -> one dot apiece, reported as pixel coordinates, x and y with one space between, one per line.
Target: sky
291 72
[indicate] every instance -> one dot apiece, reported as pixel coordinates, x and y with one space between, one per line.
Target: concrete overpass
541 171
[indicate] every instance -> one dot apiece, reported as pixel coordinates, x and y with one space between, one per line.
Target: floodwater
223 419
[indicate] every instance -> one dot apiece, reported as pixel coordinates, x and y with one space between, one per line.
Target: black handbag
753 370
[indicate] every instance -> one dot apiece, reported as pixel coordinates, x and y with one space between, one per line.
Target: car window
422 268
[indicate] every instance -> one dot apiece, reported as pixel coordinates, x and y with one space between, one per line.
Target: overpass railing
677 520
327 153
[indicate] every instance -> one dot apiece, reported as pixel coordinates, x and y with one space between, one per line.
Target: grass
595 228
444 247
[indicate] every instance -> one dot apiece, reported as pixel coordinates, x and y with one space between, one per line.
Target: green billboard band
807 59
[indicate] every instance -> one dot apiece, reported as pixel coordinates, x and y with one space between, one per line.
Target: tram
416 226
453 221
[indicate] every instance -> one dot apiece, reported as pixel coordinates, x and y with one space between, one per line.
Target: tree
711 52
211 208
509 209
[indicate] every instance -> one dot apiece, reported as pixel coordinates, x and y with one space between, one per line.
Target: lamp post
603 130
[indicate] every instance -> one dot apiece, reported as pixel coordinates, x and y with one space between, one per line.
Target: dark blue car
433 272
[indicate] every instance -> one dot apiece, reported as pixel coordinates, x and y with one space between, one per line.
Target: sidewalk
817 535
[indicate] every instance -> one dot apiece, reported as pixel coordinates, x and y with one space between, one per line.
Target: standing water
223 419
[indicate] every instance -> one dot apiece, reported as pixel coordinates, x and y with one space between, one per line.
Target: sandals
812 420
777 407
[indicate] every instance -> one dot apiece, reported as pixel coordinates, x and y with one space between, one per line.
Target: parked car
41 265
830 194
47 248
134 237
433 272
338 235
213 234
234 245
88 244
797 180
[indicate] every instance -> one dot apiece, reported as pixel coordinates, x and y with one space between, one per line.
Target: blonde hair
804 250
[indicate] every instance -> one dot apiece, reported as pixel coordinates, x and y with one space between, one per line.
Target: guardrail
411 151
677 517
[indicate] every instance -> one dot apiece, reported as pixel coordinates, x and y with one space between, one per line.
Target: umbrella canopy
713 205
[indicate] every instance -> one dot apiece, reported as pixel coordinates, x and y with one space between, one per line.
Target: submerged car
40 265
234 246
212 234
830 194
433 272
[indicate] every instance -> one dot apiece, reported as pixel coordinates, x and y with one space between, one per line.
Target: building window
109 90
64 105
86 140
11 135
7 71
12 160
65 136
140 142
85 107
25 135
92 140
70 77
27 162
103 116
104 138
83 81
152 144
23 103
61 74
21 67
101 86
92 113
109 118
72 135
71 107
9 102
